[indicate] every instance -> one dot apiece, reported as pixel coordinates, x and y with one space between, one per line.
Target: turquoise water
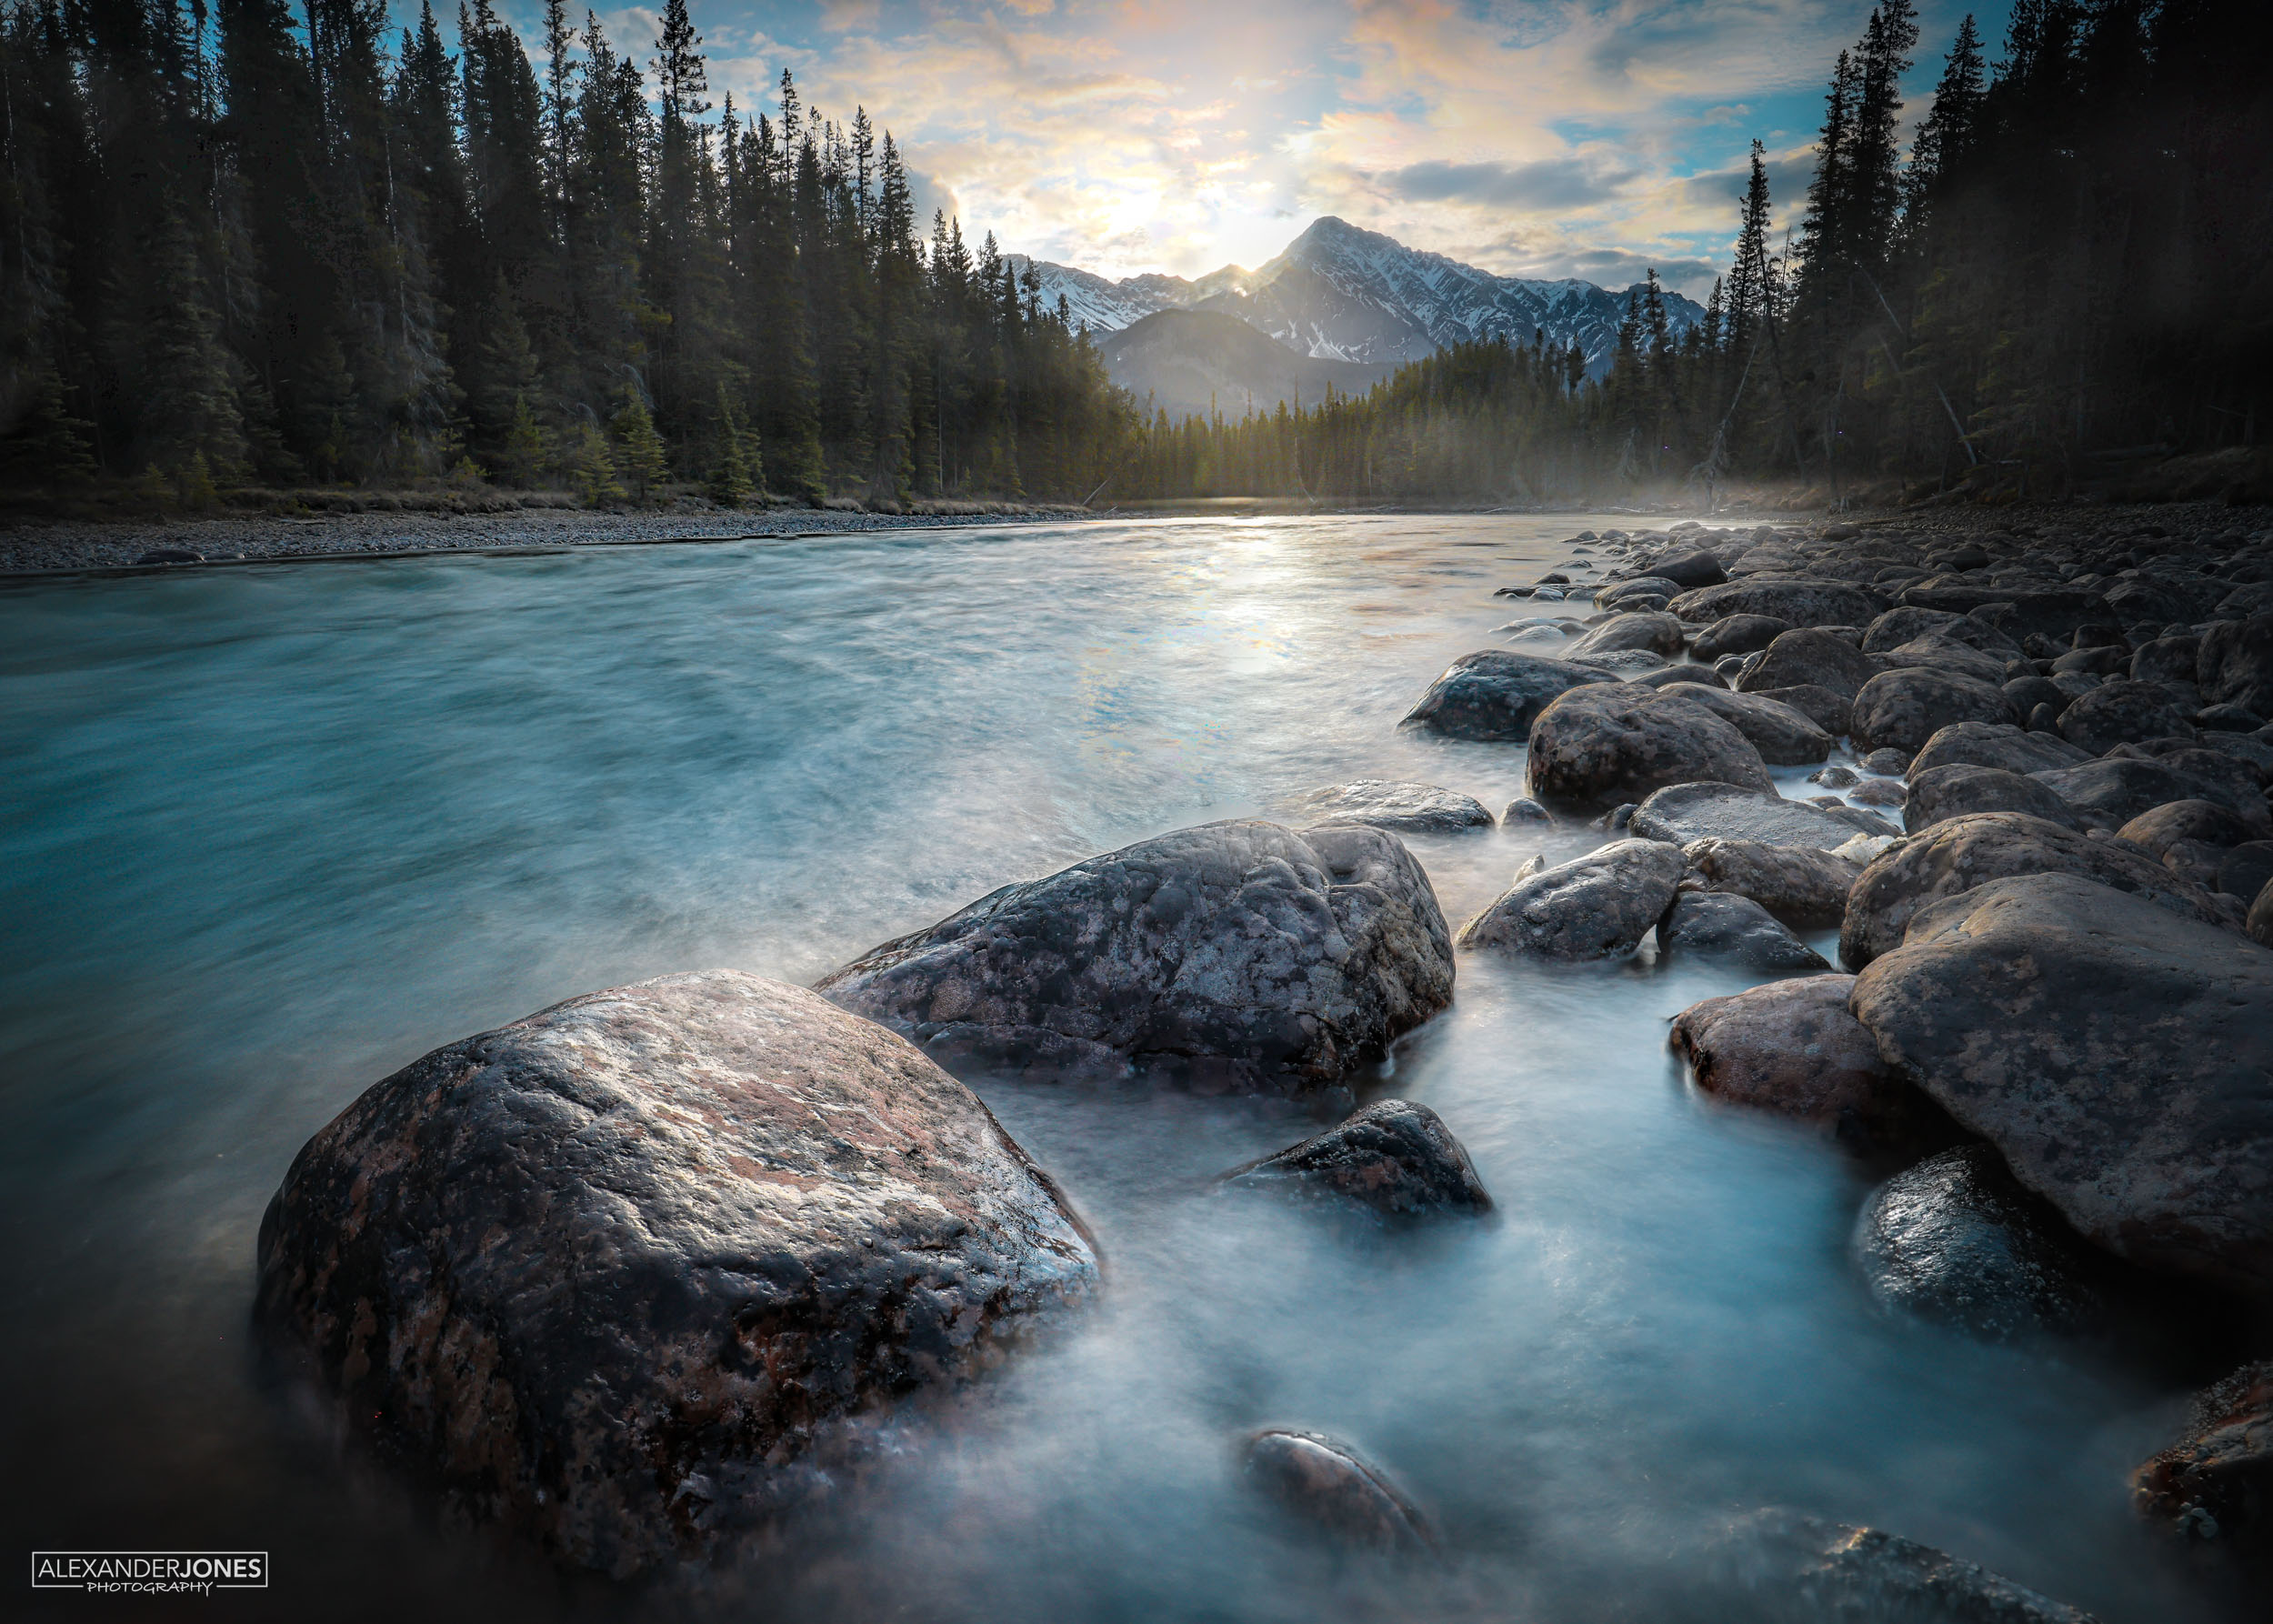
270 832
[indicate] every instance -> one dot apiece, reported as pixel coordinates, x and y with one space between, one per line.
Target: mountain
1187 361
1339 293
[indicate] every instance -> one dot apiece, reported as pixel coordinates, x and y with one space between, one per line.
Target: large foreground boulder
1494 694
1401 809
1683 813
2117 1055
1956 1240
1394 1156
1803 886
1784 735
1810 657
1794 1048
611 1270
1903 709
1233 956
1953 857
1600 746
1598 905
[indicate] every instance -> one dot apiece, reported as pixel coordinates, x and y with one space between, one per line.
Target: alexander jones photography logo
150 1572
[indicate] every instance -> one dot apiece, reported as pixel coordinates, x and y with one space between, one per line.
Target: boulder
2227 718
1524 809
2203 823
2029 695
1690 570
1612 594
2259 923
2115 789
1898 626
1736 634
2234 665
1231 955
1686 812
1393 1156
1977 848
1996 744
1326 1482
1902 709
1601 746
1597 905
2215 1484
1937 652
2243 871
1401 809
1658 634
1793 1048
1783 735
1941 793
1809 657
1494 694
1686 672
2117 1054
1797 603
1957 1240
1779 1567
2118 711
2243 760
612 1272
2048 611
1802 885
2167 659
1832 712
1725 927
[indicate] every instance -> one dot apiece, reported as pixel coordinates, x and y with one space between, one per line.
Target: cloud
1545 184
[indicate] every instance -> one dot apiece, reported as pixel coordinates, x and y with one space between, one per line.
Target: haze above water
271 832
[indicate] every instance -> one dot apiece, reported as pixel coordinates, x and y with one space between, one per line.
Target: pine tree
592 468
734 474
641 455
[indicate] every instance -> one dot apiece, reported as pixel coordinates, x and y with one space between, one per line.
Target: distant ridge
1184 361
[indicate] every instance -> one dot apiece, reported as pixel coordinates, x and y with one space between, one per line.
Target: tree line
241 245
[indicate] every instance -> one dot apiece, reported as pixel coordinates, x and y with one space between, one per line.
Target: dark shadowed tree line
239 244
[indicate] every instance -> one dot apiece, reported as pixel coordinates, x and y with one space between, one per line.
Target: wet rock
1600 746
1732 930
2119 710
1616 594
1834 776
2257 924
1977 848
1790 1568
1686 672
1524 809
2227 718
1902 709
1401 809
1686 812
1690 570
1797 603
612 1270
1880 792
1832 712
2205 823
1393 1156
2215 1484
1738 633
2051 611
1232 955
2244 871
1887 761
1956 1240
1783 735
1326 1481
2235 664
1810 657
1941 793
2167 659
1598 905
1802 885
1494 694
1655 633
1793 1048
1999 745
2115 789
2117 1054
2028 695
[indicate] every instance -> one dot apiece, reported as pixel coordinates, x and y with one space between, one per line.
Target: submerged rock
1800 885
1597 905
1792 1567
2215 1484
1393 1156
1684 813
612 1269
1494 694
1401 809
1954 855
1327 1482
1656 633
1600 746
1734 929
1794 1048
1233 956
2117 1055
1956 1240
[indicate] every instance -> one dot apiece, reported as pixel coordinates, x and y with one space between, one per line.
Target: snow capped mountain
1339 293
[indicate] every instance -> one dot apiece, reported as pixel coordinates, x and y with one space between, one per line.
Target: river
269 832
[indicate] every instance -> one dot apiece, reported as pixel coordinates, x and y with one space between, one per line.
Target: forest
242 247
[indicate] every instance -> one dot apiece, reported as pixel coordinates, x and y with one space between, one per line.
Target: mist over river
271 832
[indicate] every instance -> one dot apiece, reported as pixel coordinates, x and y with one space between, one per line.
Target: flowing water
270 832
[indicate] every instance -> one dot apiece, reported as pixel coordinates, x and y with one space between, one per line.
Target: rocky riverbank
498 525
2041 827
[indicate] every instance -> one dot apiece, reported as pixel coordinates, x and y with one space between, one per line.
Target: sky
1548 138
